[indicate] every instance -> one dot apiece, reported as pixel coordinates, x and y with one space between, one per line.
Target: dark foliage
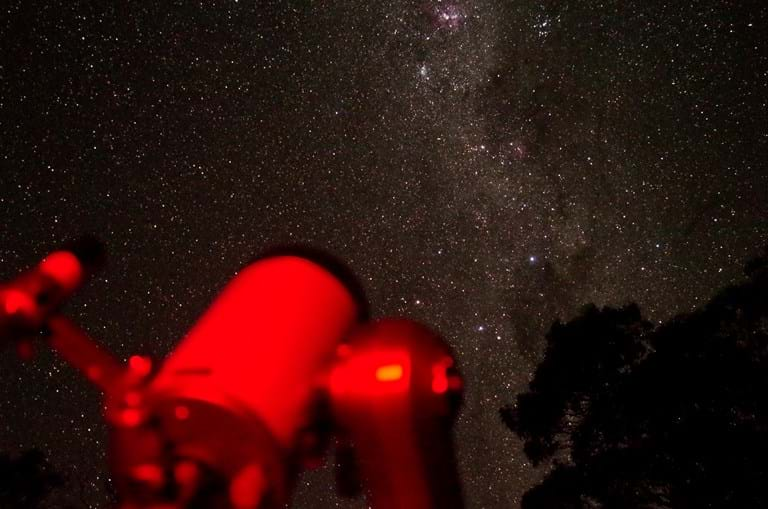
632 416
26 480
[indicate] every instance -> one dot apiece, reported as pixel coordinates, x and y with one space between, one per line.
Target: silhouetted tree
632 416
26 480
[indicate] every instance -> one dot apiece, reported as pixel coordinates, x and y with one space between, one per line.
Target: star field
484 167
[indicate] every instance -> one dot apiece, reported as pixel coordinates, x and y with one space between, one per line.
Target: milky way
485 167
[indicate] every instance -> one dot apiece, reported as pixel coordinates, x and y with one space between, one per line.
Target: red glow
94 372
248 488
440 384
374 372
140 365
74 346
389 373
343 350
132 398
263 343
181 412
64 268
149 473
130 417
440 379
186 473
16 301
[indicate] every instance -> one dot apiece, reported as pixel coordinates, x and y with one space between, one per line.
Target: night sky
484 167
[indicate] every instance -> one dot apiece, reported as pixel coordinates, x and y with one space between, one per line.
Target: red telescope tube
262 344
236 391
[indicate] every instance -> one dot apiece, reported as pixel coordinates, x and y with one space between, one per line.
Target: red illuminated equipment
282 364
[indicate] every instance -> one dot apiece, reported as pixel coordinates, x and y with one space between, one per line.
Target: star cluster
485 167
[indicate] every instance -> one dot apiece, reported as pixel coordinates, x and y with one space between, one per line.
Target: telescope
283 368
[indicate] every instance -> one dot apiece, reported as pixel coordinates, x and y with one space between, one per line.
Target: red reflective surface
390 391
371 373
17 301
64 268
440 384
263 344
140 365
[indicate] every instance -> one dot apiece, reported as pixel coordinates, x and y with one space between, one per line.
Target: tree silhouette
26 480
632 416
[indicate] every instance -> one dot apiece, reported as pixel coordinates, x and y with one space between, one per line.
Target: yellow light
389 373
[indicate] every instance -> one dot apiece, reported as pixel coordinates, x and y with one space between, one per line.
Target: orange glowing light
372 372
389 373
